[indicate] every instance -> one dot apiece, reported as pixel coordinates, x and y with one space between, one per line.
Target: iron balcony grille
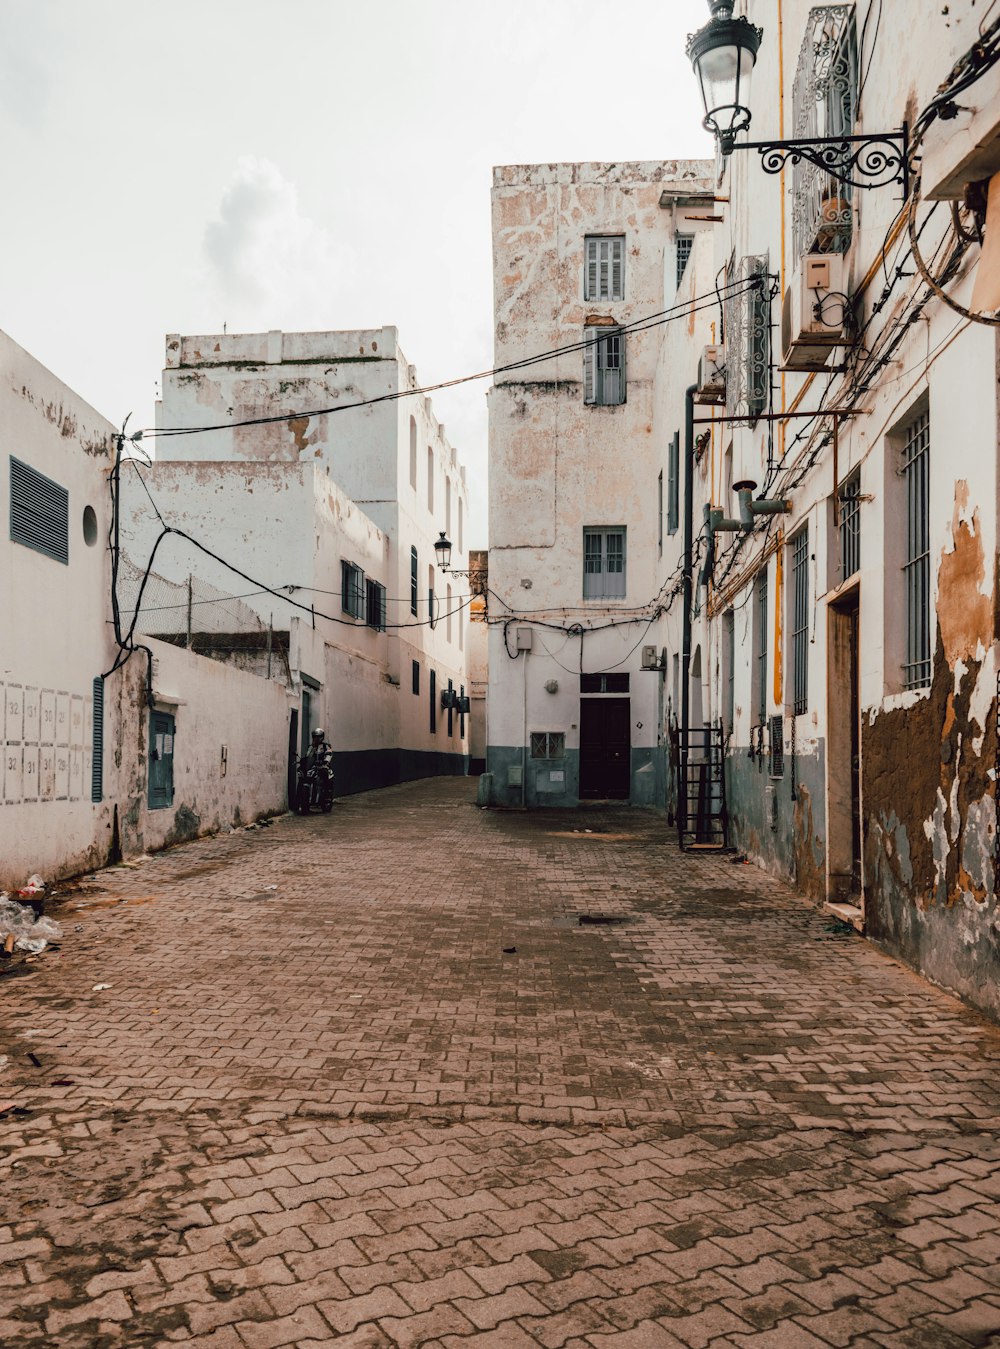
800 621
850 525
916 569
748 339
824 105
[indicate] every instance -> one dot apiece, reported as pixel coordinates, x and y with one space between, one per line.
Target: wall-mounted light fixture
723 54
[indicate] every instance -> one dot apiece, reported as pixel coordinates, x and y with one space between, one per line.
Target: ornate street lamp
723 55
442 549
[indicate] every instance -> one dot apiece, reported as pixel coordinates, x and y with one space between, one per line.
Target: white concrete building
586 260
344 505
844 651
57 811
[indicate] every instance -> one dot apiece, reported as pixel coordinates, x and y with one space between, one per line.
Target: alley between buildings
419 1073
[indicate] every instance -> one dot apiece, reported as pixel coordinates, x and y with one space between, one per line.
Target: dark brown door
605 749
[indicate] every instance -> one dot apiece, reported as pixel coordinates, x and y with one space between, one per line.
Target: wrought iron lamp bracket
878 160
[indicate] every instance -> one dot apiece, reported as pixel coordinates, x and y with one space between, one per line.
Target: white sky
301 164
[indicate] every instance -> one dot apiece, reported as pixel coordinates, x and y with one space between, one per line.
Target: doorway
605 749
844 753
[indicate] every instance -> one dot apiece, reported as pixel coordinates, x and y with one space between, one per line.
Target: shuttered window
603 564
39 512
352 588
414 585
673 484
161 760
604 366
604 272
97 760
375 605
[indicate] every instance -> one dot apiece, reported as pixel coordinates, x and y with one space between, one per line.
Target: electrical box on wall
523 639
712 375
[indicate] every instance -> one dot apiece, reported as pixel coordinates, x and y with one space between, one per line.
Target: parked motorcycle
314 788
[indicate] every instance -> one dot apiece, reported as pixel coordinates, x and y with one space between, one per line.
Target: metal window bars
849 501
916 568
684 242
762 646
747 313
800 621
824 106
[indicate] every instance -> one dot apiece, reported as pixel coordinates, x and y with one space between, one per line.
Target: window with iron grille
800 621
604 270
673 483
824 104
729 668
414 584
375 605
684 244
547 744
748 338
916 566
604 366
776 746
849 503
603 563
352 589
760 627
39 512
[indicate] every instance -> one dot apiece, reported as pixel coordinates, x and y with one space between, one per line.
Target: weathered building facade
339 511
584 254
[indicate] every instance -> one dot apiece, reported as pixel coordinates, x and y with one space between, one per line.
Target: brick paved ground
337 1112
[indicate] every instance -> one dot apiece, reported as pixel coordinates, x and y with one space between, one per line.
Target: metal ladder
702 822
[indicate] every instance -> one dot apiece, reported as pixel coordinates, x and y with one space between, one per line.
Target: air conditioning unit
813 312
650 658
712 375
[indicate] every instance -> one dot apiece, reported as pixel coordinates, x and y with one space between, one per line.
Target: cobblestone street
368 1079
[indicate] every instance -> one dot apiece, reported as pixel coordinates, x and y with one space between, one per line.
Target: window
916 564
684 244
548 744
414 584
447 613
760 653
413 453
604 274
673 484
604 366
748 338
97 744
776 746
161 760
603 563
824 104
659 512
447 504
616 682
461 526
729 669
432 616
430 478
375 605
39 512
434 708
352 589
800 621
849 503
415 675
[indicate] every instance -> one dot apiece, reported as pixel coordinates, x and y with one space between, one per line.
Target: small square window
548 744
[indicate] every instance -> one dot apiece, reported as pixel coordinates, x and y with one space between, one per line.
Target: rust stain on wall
965 613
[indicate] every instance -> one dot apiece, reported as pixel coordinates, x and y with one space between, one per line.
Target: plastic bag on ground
31 934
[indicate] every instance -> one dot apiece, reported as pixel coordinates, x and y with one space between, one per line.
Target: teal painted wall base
555 783
363 770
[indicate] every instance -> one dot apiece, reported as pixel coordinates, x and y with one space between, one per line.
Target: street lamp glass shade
443 550
723 55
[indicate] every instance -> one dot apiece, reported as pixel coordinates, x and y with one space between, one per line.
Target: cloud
271 265
30 47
